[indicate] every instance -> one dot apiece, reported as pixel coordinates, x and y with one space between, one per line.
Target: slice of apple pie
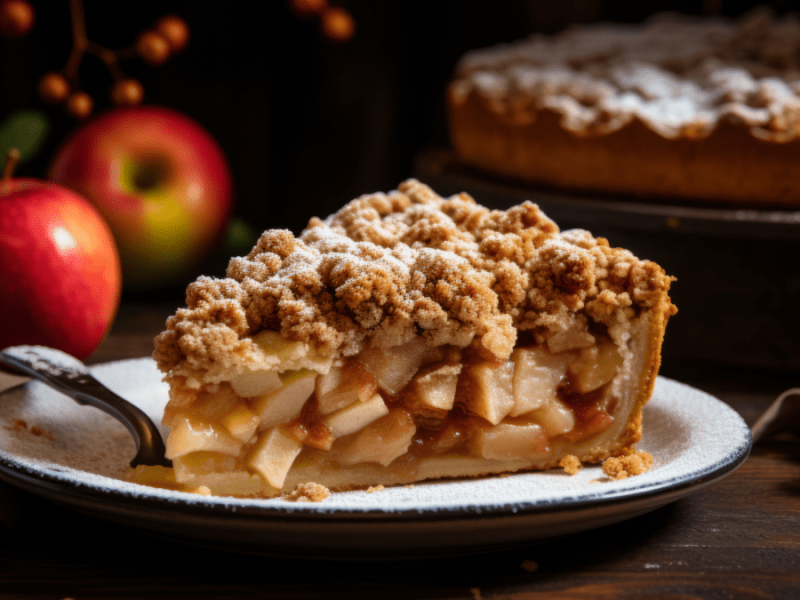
410 337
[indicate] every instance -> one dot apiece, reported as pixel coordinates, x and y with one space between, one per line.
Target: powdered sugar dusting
688 432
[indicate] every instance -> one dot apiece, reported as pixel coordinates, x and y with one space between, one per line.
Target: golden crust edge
536 149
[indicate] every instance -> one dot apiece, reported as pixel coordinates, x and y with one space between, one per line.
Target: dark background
306 123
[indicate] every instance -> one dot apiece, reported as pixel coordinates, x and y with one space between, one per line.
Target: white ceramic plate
694 438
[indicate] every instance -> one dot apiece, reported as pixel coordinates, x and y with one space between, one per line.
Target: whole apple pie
410 337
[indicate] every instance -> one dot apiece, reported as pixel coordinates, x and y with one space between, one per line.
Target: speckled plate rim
68 491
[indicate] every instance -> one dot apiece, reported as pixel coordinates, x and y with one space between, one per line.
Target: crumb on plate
628 465
308 492
571 464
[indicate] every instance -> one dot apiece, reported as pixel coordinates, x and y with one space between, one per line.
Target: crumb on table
308 492
628 465
531 566
571 464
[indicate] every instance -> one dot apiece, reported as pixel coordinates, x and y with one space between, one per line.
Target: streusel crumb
571 464
308 492
635 462
374 488
389 267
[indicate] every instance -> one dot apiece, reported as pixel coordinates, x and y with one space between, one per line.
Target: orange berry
127 92
53 87
338 24
153 47
80 104
307 8
175 31
16 18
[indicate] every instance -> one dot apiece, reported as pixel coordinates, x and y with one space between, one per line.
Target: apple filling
394 415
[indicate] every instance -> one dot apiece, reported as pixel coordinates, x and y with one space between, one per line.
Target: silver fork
70 376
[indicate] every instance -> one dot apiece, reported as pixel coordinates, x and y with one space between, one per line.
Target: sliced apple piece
382 441
356 416
491 393
343 386
537 375
433 390
595 367
285 403
510 442
210 406
190 435
394 367
555 417
273 343
241 422
450 437
255 383
274 454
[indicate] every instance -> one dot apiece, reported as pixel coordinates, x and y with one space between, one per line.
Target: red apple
161 182
60 278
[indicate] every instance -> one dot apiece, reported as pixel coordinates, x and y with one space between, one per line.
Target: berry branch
169 35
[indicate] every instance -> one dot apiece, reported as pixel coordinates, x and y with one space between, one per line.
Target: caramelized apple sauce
447 401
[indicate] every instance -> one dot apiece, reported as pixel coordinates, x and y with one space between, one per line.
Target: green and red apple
162 183
60 278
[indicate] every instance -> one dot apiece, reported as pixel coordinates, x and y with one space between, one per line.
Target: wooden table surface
737 539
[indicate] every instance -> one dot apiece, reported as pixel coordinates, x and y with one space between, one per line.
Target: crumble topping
389 267
634 463
679 75
308 492
571 464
